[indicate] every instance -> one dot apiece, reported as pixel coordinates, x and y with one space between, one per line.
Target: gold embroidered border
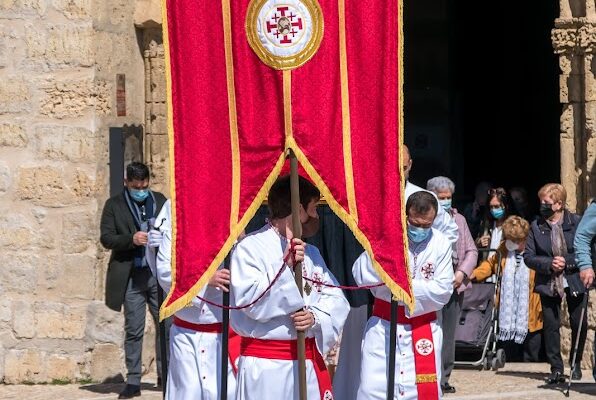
287 89
227 28
345 112
426 378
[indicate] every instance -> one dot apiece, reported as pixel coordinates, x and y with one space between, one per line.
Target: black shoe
577 374
158 382
447 388
555 377
130 391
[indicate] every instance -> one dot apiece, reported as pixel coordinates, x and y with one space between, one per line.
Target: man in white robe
195 336
418 359
267 368
346 380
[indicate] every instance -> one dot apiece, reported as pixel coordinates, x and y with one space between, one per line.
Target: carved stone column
156 126
156 151
574 39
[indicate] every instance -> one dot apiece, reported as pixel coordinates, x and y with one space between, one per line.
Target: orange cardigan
489 267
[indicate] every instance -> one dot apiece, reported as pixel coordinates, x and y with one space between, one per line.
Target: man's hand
303 320
558 264
587 277
458 279
154 238
140 238
298 252
221 280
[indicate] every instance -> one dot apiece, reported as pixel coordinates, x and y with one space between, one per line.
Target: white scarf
514 300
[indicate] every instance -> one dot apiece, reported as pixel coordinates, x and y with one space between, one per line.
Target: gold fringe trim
172 166
399 293
400 77
426 378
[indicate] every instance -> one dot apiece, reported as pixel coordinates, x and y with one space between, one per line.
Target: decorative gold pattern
280 62
426 378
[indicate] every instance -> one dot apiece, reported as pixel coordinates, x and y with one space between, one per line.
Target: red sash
422 346
217 327
287 350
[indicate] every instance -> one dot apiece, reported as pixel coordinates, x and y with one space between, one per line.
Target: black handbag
576 286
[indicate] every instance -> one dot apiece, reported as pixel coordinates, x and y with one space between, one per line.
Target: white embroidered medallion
424 347
284 33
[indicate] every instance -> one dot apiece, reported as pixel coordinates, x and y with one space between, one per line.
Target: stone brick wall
58 66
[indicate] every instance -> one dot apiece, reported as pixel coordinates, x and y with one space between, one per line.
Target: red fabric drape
210 170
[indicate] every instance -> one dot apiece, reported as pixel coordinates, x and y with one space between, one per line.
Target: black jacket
117 229
538 254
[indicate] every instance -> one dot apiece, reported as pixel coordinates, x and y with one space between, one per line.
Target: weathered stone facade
574 40
58 66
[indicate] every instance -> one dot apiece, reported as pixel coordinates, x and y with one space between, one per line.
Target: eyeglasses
497 191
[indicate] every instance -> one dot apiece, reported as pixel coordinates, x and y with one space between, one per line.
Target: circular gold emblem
284 34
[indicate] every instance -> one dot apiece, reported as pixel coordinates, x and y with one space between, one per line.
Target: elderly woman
549 251
465 257
520 316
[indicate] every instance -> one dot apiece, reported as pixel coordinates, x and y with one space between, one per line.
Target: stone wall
58 66
574 40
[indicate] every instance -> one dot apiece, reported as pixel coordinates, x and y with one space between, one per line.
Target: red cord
292 254
343 287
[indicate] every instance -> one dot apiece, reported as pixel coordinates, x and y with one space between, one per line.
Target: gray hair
439 183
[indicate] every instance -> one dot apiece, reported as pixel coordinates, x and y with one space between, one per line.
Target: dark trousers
551 308
140 292
532 350
450 318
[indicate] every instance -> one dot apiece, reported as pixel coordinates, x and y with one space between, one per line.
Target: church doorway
482 93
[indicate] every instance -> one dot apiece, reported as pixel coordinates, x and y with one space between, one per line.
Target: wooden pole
392 344
225 337
297 231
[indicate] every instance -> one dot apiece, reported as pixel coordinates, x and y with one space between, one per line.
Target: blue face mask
417 234
139 195
446 204
497 213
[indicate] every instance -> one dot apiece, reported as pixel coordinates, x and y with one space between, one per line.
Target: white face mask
511 245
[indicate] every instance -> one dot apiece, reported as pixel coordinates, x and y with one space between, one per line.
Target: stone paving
515 381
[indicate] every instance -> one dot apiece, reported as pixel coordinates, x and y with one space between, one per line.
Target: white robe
255 262
346 378
195 357
431 294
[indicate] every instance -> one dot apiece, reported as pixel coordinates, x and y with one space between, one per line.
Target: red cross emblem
317 281
427 270
284 25
424 347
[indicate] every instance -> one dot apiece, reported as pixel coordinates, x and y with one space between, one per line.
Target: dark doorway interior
481 93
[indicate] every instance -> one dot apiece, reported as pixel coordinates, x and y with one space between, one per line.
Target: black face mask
310 227
546 210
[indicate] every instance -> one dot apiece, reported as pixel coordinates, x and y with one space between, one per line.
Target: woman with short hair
549 251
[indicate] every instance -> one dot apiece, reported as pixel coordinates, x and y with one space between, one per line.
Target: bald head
406 162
